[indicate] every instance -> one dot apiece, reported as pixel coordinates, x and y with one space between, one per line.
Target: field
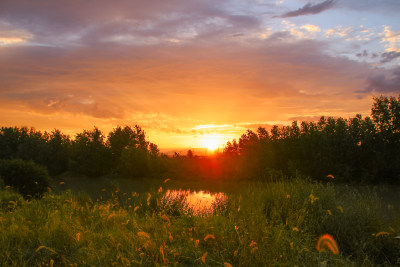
260 224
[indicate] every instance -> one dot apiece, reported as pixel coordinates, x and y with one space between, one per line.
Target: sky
188 71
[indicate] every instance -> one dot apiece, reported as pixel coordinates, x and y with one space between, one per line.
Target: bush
26 177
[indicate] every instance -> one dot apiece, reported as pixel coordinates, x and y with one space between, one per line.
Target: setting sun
212 143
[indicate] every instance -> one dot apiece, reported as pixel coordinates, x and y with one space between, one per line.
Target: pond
194 202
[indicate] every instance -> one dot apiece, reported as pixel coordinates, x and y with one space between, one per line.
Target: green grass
263 224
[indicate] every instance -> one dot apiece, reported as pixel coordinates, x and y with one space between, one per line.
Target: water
194 202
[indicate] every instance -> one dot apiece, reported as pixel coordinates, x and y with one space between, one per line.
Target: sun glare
211 143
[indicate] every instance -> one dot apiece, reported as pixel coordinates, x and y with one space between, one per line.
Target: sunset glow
212 143
184 70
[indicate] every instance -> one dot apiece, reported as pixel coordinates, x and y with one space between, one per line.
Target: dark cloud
67 23
363 54
384 82
310 9
389 56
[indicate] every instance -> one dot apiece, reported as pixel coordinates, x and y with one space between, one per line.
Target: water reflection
193 202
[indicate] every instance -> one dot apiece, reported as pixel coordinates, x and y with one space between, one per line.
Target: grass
262 224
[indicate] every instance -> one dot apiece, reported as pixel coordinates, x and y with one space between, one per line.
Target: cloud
389 56
391 39
384 82
170 66
310 9
196 80
10 35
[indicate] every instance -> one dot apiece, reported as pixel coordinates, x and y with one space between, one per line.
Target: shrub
26 177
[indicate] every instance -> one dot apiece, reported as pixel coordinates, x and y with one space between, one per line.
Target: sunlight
212 143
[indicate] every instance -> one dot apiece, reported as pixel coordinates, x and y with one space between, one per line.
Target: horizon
194 73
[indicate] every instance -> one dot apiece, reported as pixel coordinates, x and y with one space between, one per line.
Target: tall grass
262 224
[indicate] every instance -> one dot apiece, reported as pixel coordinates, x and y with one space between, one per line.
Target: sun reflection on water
195 202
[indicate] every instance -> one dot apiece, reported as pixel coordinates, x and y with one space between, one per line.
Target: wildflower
295 229
252 243
49 249
162 253
330 176
340 208
148 199
227 264
208 237
62 182
166 180
327 241
165 217
203 258
313 198
381 233
143 234
196 243
329 212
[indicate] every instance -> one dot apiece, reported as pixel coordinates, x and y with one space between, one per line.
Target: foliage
352 150
275 223
46 149
89 155
26 177
10 200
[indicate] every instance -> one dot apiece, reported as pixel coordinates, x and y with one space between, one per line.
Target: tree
89 153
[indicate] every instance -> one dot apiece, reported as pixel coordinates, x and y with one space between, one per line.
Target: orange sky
191 70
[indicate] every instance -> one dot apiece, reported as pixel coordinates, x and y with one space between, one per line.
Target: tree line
355 150
124 151
351 150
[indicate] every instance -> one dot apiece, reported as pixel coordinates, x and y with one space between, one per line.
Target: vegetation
264 223
355 150
296 197
30 179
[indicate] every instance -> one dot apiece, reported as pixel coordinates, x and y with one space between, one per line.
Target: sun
211 143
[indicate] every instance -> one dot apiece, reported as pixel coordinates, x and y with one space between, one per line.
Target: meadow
275 223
